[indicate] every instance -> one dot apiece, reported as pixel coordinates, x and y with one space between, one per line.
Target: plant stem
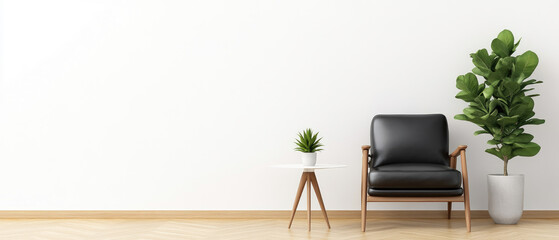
506 160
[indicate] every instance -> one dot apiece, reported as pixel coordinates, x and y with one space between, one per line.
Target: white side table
309 178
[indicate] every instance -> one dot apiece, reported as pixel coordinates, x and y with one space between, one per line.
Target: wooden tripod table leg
319 196
298 196
309 199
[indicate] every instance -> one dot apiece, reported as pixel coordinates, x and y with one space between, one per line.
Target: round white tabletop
310 168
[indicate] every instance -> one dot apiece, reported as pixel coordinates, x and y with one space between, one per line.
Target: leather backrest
409 139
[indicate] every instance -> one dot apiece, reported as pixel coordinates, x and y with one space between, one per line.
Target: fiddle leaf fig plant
501 104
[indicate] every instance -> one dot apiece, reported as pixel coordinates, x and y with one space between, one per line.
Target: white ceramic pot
309 159
506 197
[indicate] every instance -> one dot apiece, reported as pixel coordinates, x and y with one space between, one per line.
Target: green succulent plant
308 142
501 105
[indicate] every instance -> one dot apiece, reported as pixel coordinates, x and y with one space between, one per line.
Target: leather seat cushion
415 192
414 176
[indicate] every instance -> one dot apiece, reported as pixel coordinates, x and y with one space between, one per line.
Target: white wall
186 104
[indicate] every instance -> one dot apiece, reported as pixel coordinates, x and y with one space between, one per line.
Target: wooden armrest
365 147
457 151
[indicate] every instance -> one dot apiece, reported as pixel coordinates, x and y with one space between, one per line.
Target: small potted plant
308 144
502 106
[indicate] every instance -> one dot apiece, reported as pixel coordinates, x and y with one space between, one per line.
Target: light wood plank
224 229
255 214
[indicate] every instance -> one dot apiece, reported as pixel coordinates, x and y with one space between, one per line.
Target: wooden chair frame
365 198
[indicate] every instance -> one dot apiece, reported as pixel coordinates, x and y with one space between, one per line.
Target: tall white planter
309 159
506 197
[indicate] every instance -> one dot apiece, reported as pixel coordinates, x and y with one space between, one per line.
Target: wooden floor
106 229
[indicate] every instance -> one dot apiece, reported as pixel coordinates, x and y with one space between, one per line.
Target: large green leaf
483 62
505 65
506 150
522 138
509 88
524 66
534 121
488 91
466 96
467 82
461 117
507 38
477 71
524 108
493 104
481 132
495 77
518 131
495 152
480 102
526 149
469 85
530 82
473 113
505 121
500 48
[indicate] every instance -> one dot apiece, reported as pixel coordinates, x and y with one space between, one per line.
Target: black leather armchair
408 161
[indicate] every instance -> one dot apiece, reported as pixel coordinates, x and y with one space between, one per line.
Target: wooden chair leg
298 196
363 211
466 190
364 173
449 208
363 215
467 212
